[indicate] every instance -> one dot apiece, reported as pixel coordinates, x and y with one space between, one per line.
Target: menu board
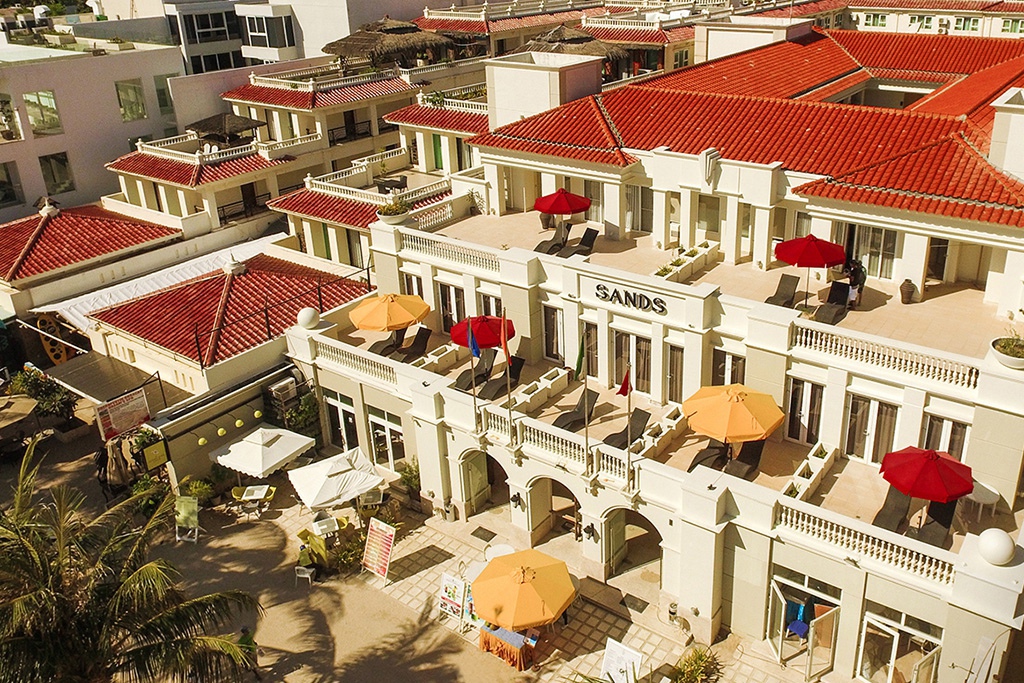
621 664
122 413
379 539
453 594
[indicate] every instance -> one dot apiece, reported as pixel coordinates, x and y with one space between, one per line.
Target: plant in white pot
1009 350
394 212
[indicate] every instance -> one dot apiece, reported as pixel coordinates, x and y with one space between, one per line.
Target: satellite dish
41 11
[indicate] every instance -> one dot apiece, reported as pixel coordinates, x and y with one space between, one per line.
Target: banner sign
380 537
621 664
453 596
122 413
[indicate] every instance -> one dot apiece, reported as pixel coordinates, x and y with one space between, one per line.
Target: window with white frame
56 173
412 284
803 224
921 21
746 220
594 191
553 344
680 58
633 353
387 438
590 357
269 32
966 24
490 305
727 368
870 427
824 22
43 118
163 93
803 419
837 20
944 434
709 216
10 128
10 188
877 20
131 98
675 374
1013 25
211 27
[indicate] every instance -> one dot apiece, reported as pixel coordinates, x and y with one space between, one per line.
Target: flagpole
472 374
508 378
586 417
629 411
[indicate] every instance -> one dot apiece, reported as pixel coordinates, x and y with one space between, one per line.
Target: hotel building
900 148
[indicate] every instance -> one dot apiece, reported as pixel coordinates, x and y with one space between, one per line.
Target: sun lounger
414 350
389 345
584 247
937 527
480 373
894 510
574 420
785 291
834 310
637 422
498 386
746 463
552 246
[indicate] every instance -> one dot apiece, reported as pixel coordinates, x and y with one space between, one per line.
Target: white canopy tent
336 480
262 451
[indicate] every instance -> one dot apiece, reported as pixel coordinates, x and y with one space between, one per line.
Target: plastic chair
237 492
307 573
798 628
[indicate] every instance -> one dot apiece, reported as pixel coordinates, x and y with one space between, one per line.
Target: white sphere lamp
996 547
308 318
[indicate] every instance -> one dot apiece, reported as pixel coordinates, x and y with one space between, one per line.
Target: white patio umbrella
336 480
262 451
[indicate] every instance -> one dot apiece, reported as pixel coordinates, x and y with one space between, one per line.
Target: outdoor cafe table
508 645
256 492
323 527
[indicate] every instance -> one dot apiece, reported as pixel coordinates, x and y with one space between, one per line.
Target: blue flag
474 347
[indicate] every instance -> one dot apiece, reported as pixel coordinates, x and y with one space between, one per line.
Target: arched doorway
486 482
634 554
555 514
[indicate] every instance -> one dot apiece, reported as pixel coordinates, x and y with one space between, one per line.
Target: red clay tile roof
632 36
973 95
230 314
191 175
29 247
348 212
837 86
916 76
784 69
921 181
926 53
936 5
296 99
804 9
439 118
477 26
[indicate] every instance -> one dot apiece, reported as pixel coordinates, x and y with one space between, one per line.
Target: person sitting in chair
858 277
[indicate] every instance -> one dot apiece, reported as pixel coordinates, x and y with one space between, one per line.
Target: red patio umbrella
561 201
486 331
810 252
927 474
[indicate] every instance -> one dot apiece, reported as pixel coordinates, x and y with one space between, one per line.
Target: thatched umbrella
565 40
224 127
389 40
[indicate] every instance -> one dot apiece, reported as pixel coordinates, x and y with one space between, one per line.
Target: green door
438 157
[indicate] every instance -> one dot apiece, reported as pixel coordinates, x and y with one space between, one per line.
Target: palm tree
80 602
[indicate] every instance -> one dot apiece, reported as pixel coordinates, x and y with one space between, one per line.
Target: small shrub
396 207
676 262
663 271
691 253
348 555
221 478
156 489
53 398
434 99
143 438
201 489
698 665
704 245
1011 345
411 476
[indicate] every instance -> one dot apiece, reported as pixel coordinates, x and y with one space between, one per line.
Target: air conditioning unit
943 31
943 23
285 390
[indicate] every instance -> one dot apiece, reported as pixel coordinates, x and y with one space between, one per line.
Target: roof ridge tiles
218 320
30 244
606 119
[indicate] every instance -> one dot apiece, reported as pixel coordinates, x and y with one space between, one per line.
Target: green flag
579 358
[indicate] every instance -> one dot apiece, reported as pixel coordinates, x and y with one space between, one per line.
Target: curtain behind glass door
642 369
675 374
885 430
856 432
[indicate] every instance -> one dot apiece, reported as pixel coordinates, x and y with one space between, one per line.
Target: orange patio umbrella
732 413
522 590
389 312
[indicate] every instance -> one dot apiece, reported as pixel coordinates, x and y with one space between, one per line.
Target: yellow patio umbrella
522 590
732 413
389 312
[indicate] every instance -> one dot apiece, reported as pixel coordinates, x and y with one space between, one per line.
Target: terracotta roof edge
29 245
218 321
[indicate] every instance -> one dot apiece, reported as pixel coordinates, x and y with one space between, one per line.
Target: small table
983 495
324 527
510 646
498 550
256 492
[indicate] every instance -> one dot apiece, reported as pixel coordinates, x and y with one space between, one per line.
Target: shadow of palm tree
416 653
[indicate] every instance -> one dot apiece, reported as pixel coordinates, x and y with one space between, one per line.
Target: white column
548 183
495 178
730 230
762 237
614 211
424 152
659 371
605 347
661 216
687 218
913 262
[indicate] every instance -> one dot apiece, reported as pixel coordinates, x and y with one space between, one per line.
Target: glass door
877 652
866 417
821 642
388 442
343 424
876 250
452 302
636 352
804 418
776 621
926 669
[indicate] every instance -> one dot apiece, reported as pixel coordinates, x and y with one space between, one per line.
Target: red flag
625 388
504 338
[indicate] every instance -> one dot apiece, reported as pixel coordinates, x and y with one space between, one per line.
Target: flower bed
689 263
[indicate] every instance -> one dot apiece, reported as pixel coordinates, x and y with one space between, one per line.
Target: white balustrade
495 422
424 191
817 337
447 250
934 564
291 82
613 22
434 216
359 361
567 448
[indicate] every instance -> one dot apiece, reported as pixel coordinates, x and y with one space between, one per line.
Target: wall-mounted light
239 423
202 441
221 431
695 611
589 531
257 414
516 499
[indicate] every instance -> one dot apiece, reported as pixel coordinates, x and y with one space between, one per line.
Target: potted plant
411 480
201 489
8 131
394 212
53 400
1009 350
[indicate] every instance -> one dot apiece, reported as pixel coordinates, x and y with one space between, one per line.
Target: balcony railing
239 209
336 136
435 216
447 250
822 339
556 446
517 8
934 564
361 362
